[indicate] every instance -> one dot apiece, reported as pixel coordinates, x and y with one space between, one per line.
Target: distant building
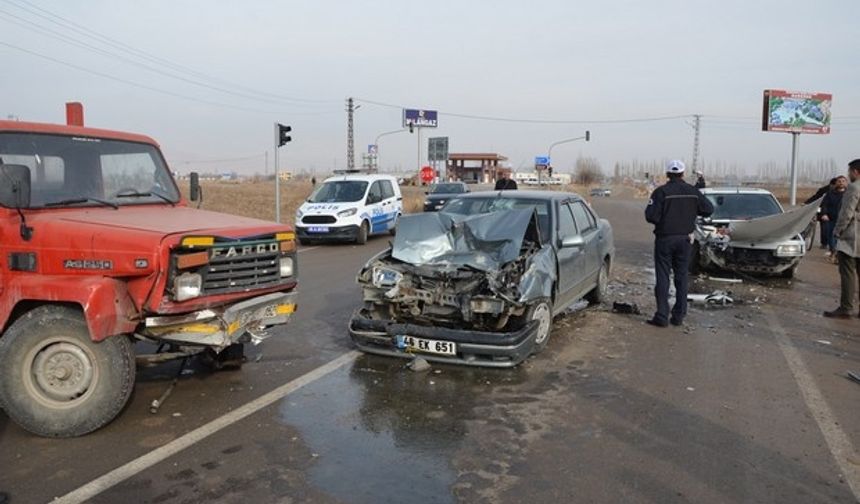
476 168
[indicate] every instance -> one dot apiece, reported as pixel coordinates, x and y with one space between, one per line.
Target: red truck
99 250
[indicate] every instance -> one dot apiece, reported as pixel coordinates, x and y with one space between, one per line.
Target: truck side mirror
195 186
14 186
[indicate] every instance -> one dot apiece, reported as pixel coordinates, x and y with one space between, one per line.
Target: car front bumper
474 348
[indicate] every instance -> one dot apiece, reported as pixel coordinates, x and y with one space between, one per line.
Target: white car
770 244
350 208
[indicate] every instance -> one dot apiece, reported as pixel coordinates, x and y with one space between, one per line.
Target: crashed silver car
749 232
479 282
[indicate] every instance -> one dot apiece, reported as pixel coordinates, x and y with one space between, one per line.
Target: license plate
317 229
412 344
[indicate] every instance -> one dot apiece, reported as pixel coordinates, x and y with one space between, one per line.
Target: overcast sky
237 67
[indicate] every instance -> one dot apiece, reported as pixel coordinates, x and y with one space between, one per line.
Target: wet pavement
613 411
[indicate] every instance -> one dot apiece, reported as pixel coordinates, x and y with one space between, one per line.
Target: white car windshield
740 206
339 191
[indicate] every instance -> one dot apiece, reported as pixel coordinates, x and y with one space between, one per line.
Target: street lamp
586 137
376 142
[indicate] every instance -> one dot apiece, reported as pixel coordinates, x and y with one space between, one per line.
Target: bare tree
587 171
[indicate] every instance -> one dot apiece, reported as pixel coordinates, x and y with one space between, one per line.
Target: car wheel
305 241
789 273
598 293
695 266
363 231
55 381
541 311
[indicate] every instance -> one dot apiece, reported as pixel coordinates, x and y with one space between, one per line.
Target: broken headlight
789 250
484 305
385 277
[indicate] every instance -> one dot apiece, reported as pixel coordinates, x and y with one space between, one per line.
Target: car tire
789 273
305 241
363 231
695 266
55 381
598 294
542 311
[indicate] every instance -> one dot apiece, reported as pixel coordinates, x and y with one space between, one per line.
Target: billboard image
420 118
796 112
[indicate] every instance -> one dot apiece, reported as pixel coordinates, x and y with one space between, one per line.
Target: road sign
437 149
427 174
420 118
542 160
372 149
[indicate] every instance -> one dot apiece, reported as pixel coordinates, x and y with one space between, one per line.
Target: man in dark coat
823 190
505 182
830 212
673 209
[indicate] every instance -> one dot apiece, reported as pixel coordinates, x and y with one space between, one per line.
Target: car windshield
475 206
86 171
339 191
448 189
740 206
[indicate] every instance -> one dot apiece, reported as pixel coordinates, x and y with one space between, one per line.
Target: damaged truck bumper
440 344
220 327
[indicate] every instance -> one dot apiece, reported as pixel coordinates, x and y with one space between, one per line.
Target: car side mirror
194 192
575 241
14 186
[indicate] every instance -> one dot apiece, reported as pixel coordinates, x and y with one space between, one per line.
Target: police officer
672 209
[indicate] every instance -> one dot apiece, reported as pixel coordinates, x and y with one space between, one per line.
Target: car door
571 259
389 204
374 207
586 223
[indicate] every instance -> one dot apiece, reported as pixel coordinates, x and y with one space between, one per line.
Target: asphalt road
747 403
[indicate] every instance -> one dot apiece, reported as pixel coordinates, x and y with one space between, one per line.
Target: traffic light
549 170
587 136
283 137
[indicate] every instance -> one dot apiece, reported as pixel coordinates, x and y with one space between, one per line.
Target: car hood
773 228
483 242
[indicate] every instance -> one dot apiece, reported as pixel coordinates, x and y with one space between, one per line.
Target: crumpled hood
774 228
484 242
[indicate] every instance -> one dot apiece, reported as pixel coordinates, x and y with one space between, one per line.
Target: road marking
837 441
148 460
308 248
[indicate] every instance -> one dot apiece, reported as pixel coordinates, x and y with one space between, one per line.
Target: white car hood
773 228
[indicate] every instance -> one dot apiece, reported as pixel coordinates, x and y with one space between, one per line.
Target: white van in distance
350 208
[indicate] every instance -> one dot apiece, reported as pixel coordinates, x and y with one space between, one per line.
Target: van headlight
286 266
347 213
299 214
187 286
789 250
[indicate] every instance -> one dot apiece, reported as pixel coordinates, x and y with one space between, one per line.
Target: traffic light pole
277 175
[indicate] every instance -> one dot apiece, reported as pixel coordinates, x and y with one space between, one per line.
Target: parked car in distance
440 193
479 282
772 253
350 208
604 192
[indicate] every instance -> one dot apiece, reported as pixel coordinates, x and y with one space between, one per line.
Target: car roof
735 190
364 177
524 194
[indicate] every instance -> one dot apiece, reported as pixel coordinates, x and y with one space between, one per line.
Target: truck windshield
740 206
339 191
85 171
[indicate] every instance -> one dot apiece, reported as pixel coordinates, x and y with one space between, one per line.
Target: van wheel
363 231
55 381
598 294
305 241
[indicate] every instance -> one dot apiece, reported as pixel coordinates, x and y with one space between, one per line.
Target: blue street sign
542 160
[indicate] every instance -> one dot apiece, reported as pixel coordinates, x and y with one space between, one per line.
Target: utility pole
697 123
350 143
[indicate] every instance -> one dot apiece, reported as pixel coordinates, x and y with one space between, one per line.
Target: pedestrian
313 181
505 182
672 210
822 227
830 205
848 243
700 180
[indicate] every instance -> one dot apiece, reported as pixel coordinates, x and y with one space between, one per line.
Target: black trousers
671 255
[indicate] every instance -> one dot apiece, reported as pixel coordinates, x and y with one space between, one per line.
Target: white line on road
148 460
308 248
838 442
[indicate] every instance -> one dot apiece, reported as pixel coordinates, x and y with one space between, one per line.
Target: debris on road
725 280
823 342
626 308
716 298
418 364
853 376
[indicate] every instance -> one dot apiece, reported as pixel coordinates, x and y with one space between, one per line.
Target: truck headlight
286 266
187 286
788 250
347 213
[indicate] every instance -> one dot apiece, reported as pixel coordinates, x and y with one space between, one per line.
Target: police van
350 208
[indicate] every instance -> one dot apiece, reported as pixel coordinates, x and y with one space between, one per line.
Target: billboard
420 118
796 112
437 149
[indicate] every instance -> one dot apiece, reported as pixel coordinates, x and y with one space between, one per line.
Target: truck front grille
241 272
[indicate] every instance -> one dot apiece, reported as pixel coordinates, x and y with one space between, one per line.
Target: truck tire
55 381
363 231
598 294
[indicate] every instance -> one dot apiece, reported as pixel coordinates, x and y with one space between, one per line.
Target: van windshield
339 191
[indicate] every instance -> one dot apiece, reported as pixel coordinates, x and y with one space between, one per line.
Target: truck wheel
598 294
541 311
363 231
55 381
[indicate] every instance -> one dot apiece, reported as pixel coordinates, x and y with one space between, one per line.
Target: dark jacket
505 183
831 204
700 183
819 193
673 208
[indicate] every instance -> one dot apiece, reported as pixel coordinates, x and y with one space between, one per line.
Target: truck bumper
473 348
220 327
